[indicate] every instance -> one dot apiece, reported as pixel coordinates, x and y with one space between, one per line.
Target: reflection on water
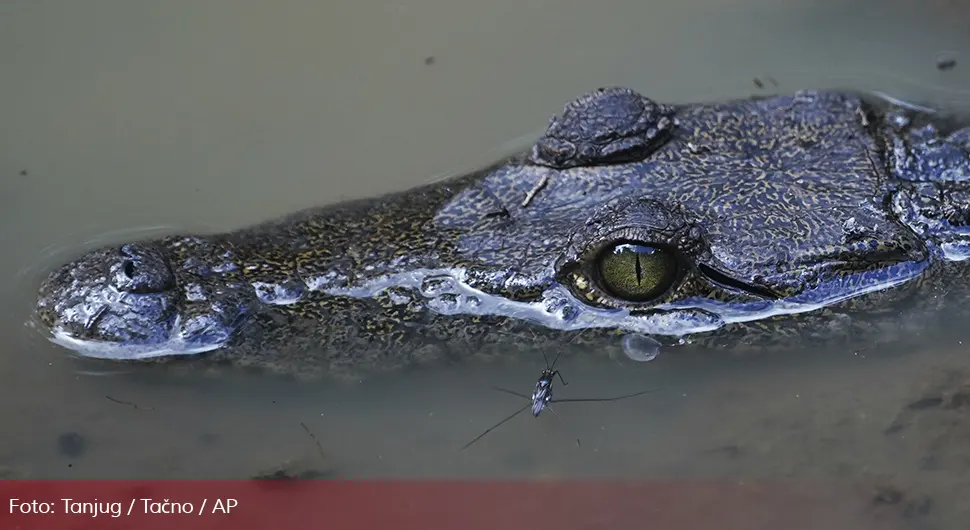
211 116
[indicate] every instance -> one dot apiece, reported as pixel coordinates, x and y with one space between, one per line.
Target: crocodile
630 223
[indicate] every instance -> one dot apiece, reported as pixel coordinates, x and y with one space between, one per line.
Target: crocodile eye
636 272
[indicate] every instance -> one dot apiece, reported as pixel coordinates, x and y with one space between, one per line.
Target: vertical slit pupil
129 269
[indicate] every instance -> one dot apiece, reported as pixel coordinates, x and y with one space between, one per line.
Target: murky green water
120 116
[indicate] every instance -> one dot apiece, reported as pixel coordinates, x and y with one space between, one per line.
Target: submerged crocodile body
744 222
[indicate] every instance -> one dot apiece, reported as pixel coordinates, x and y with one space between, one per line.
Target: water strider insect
542 397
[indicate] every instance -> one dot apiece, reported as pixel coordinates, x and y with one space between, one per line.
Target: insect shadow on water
542 399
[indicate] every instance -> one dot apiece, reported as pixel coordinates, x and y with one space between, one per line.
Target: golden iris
636 272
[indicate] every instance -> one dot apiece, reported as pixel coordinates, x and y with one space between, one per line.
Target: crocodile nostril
142 268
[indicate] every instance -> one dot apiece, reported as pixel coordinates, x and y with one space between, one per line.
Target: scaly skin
808 216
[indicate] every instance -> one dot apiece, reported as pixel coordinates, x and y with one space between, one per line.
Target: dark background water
118 116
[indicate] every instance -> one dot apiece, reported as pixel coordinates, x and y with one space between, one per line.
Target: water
119 116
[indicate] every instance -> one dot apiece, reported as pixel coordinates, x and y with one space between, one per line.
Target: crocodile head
143 300
628 218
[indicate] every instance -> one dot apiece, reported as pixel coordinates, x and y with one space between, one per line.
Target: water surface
121 116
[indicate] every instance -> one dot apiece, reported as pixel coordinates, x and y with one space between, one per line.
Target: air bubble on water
446 303
397 297
437 285
640 348
955 251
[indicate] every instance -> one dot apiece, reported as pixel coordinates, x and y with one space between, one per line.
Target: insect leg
493 427
513 392
560 421
614 398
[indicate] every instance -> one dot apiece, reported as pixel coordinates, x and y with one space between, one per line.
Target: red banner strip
433 505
